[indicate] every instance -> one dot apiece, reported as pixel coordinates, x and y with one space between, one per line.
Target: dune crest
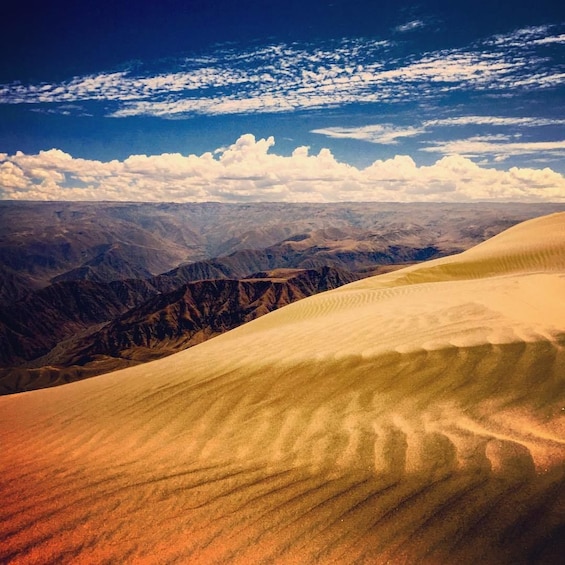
417 416
535 245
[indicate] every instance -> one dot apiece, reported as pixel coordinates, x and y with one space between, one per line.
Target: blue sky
435 91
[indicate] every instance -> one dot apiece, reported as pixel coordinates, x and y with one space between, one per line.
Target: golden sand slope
415 417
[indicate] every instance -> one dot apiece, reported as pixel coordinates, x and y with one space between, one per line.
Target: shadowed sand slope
414 417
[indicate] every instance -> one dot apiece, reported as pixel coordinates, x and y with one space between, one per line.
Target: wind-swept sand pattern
414 417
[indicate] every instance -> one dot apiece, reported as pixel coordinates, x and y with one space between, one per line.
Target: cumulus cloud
248 170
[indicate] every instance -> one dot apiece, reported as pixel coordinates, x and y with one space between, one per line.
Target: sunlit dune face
411 417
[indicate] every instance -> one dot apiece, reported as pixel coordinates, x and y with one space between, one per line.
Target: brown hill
200 310
116 262
82 329
359 256
33 326
43 242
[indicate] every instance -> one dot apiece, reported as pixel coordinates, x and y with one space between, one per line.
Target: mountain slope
34 325
412 417
45 242
42 241
355 256
78 329
199 310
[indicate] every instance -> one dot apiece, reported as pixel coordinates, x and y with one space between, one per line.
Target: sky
302 100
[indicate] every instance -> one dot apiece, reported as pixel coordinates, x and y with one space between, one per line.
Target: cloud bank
248 171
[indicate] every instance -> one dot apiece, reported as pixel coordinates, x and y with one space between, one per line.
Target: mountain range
91 287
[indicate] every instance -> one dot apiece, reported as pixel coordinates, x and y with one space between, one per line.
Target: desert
282 283
410 417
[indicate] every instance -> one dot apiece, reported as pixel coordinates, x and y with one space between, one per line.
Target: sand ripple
385 422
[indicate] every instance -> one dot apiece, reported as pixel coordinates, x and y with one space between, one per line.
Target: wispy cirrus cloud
410 26
387 134
493 121
501 143
289 78
214 85
498 147
551 39
390 134
248 170
524 37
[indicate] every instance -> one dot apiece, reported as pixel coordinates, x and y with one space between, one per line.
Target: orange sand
417 416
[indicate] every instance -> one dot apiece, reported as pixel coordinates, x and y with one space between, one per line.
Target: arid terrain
86 288
415 416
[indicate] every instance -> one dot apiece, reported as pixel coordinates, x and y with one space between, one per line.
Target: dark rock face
77 324
13 286
209 307
33 326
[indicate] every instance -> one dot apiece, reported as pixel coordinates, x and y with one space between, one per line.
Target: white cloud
308 81
248 170
498 146
286 78
551 39
527 37
387 134
410 26
493 121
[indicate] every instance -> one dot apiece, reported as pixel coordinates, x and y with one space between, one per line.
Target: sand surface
413 417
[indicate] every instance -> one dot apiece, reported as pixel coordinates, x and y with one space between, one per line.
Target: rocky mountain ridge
46 242
81 328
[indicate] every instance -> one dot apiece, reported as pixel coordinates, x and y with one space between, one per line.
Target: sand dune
414 417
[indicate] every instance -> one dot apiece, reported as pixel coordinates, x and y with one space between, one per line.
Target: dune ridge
417 416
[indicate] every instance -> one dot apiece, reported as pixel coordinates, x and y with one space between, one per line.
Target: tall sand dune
414 417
